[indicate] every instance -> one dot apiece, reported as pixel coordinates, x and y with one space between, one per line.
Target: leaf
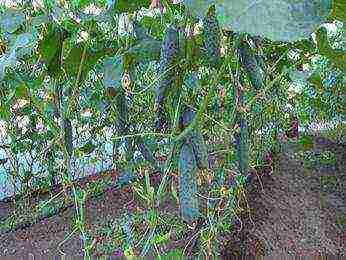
130 6
11 20
7 60
5 112
87 148
23 40
21 91
278 20
148 49
188 184
298 76
337 56
73 60
316 80
339 10
113 71
51 47
174 254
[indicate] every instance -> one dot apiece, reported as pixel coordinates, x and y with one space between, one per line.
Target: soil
289 212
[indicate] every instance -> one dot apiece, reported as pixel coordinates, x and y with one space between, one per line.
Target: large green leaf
73 61
337 56
113 71
51 48
146 50
279 20
11 20
22 42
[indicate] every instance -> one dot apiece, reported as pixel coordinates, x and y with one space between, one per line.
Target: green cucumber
188 184
199 150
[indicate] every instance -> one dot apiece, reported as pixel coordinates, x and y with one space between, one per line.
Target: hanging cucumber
68 136
242 145
188 184
123 122
199 150
195 138
166 74
212 37
250 65
147 153
242 136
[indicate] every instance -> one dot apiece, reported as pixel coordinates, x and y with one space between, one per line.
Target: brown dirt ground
289 214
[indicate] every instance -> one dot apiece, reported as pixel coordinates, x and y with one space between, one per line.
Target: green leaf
51 47
7 60
21 91
5 112
339 10
148 49
23 40
130 6
11 20
278 20
298 76
73 60
86 149
337 56
174 254
316 80
113 71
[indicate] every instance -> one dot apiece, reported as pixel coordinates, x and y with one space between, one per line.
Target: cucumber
68 136
199 150
250 65
166 73
186 118
188 184
212 37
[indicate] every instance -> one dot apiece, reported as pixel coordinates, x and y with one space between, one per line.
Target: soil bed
298 210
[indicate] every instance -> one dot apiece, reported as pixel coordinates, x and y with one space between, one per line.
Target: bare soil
289 212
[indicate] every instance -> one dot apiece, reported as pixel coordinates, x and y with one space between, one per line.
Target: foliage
284 20
95 86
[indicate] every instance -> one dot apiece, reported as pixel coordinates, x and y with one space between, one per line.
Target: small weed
341 221
328 182
306 142
313 159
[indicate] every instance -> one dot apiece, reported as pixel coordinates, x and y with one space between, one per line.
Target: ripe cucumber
212 37
199 150
249 63
188 184
166 74
68 137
